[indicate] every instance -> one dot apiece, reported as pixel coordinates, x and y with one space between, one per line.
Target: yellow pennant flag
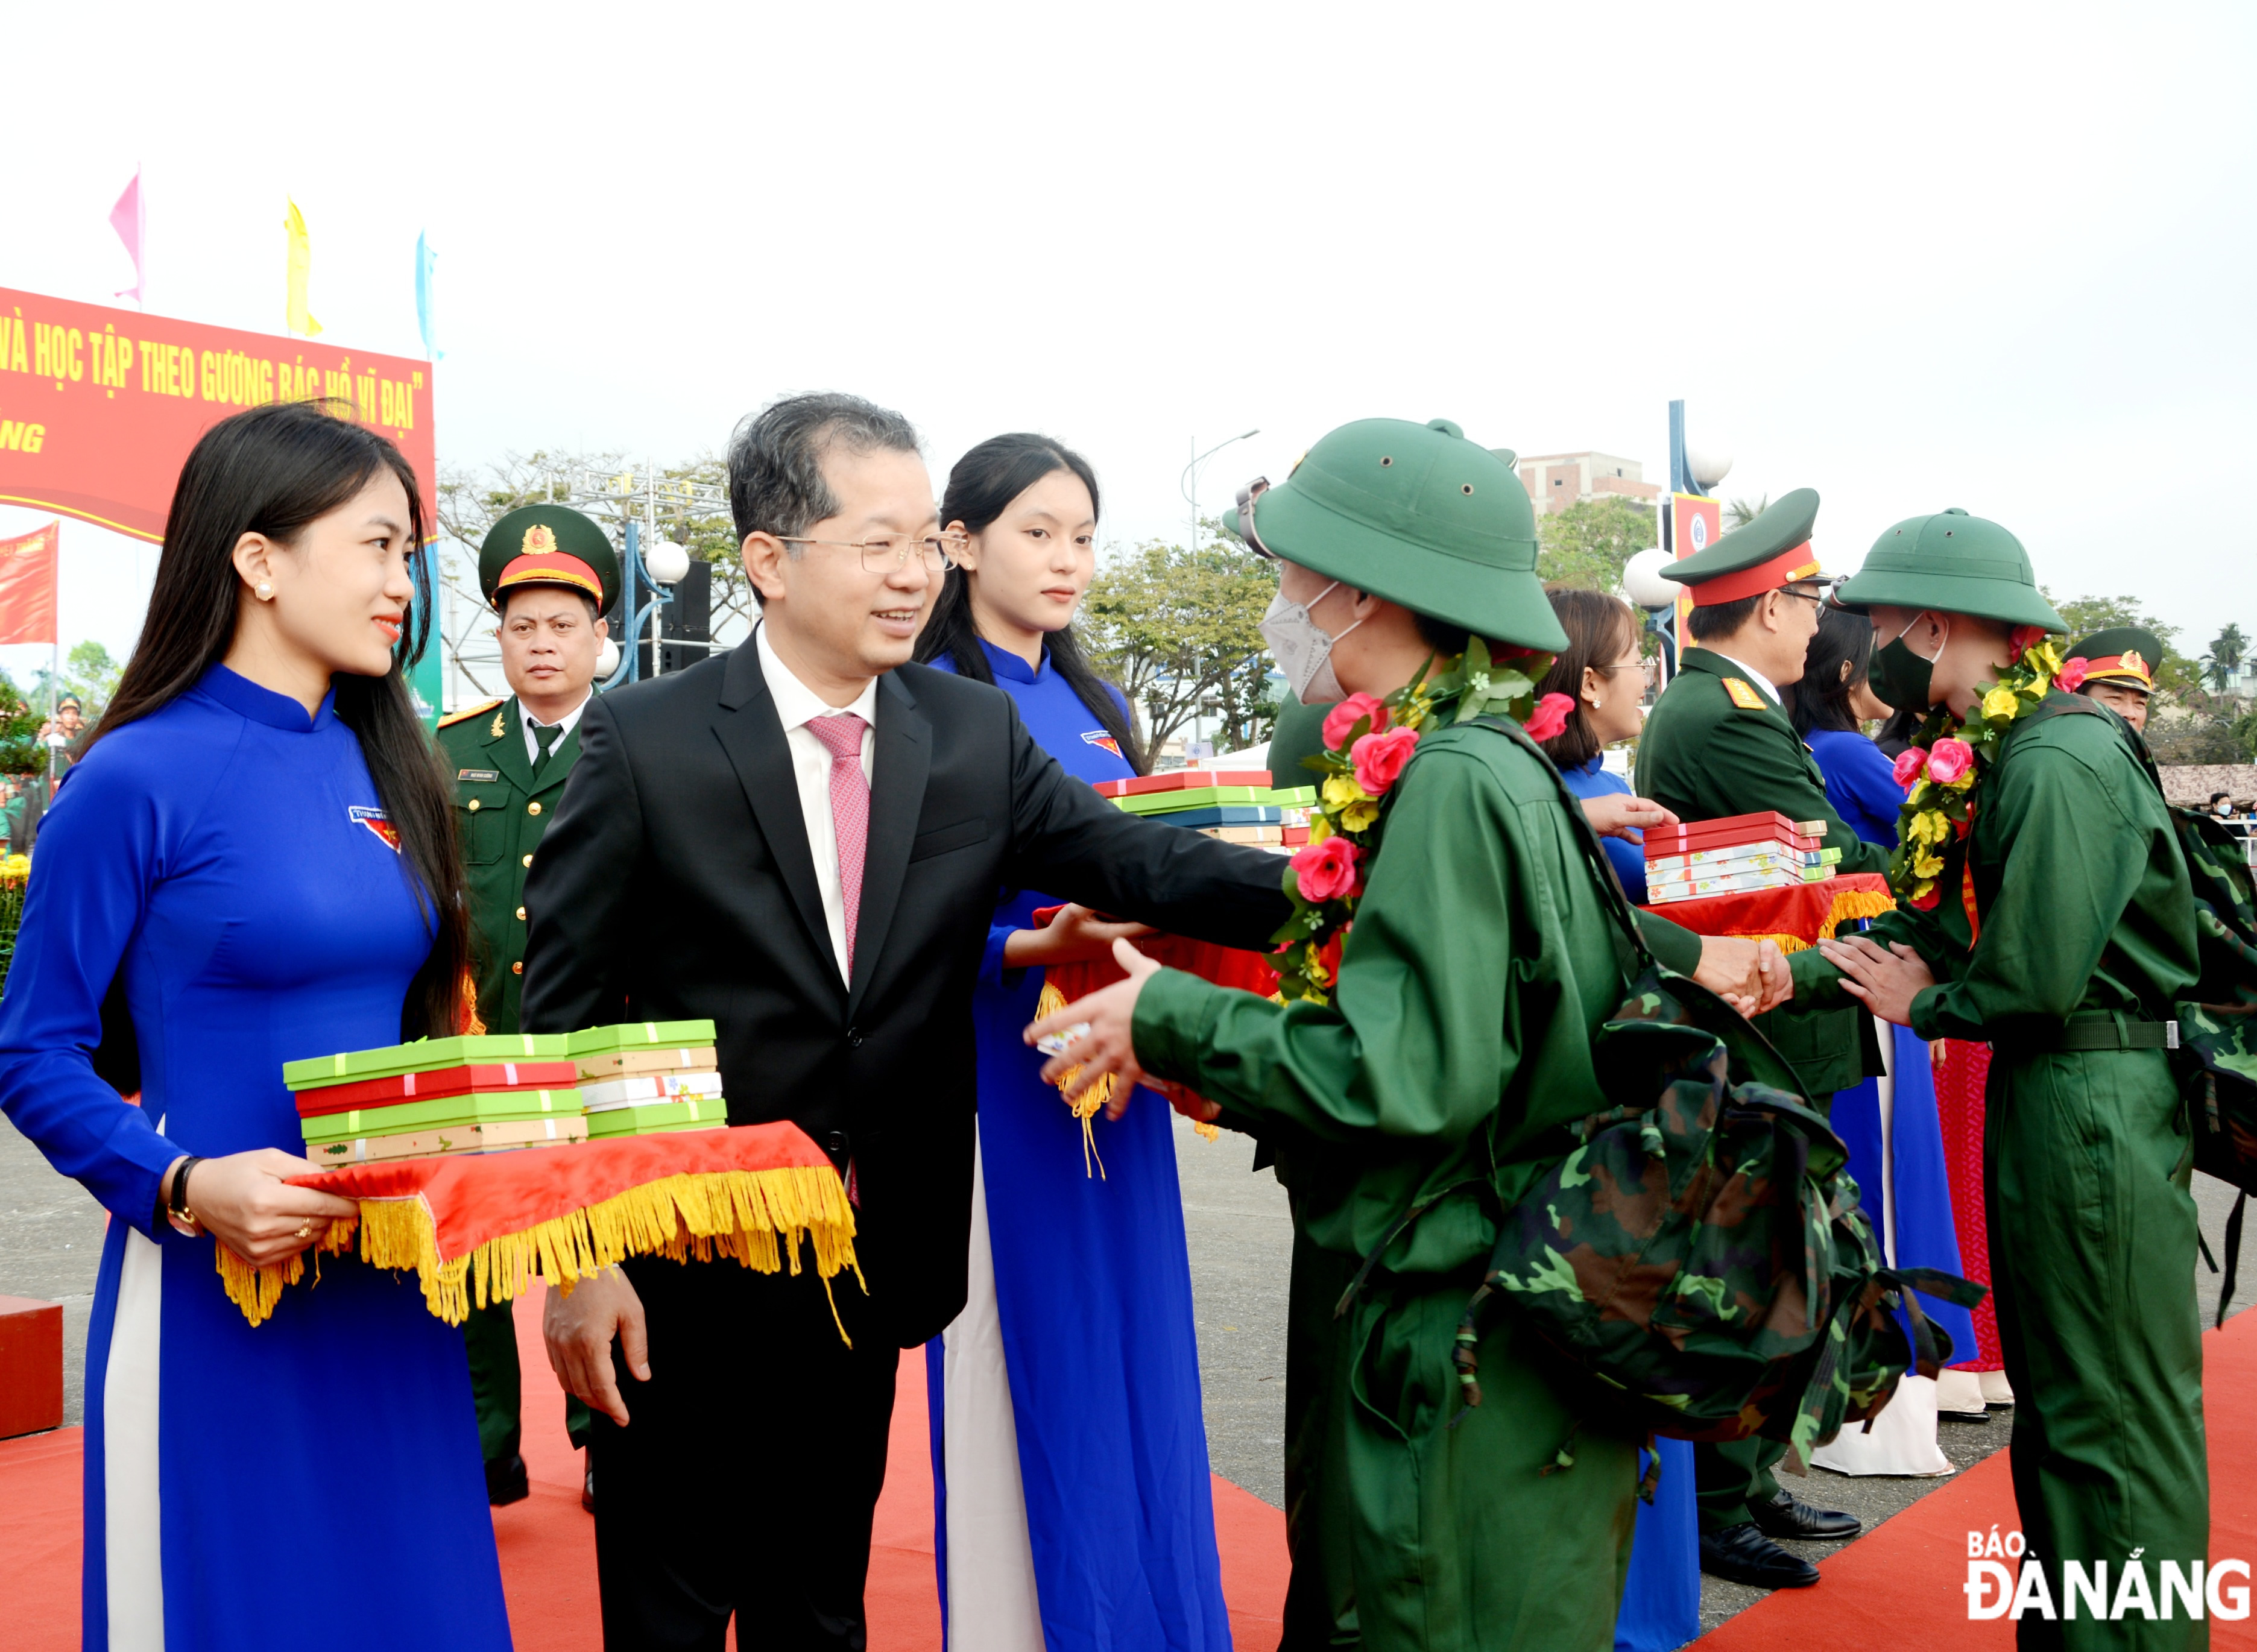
301 263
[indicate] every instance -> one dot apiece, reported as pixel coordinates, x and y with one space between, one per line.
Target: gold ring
306 1229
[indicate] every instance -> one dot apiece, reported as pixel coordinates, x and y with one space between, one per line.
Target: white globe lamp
1708 467
669 563
607 660
1642 581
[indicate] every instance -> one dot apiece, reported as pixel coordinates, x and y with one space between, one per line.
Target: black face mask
1897 676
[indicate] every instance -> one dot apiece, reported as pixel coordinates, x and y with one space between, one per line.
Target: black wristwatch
176 1202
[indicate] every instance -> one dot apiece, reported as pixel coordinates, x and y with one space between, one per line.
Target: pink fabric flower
1549 720
2071 678
2026 637
1326 871
1348 713
1948 759
1379 757
1912 763
1926 902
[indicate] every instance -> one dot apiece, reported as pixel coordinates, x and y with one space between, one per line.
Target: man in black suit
803 840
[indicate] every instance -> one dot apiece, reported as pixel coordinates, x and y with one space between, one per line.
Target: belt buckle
2170 1034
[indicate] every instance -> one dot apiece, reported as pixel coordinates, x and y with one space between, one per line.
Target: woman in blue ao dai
1072 1506
255 859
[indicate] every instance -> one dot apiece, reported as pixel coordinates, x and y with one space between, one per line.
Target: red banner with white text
28 585
99 407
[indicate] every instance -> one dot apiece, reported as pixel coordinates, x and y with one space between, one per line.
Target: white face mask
1304 648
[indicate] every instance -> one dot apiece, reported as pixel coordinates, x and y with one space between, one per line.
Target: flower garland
1368 741
1945 765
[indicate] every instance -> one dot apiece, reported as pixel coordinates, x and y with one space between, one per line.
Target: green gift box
691 1112
423 1055
591 1041
441 1113
1196 797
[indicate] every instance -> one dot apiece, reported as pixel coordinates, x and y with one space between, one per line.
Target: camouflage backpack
1699 1254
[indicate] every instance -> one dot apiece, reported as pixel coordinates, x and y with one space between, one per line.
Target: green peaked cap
548 544
1781 527
1955 563
2110 647
1419 515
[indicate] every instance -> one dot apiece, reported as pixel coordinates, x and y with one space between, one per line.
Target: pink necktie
850 811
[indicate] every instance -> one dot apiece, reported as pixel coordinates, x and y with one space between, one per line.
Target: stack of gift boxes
1732 856
649 1078
1239 806
498 1092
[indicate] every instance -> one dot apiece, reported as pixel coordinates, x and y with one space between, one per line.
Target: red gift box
453 1081
1181 781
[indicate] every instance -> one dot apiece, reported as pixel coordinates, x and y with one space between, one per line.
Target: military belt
2098 1030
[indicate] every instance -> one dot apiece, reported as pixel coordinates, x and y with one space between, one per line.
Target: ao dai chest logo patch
377 823
1099 737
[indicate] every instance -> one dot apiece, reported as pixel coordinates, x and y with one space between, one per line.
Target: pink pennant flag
126 218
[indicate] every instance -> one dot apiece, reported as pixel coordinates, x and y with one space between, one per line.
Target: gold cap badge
540 539
2132 662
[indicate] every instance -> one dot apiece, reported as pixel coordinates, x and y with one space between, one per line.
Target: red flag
28 585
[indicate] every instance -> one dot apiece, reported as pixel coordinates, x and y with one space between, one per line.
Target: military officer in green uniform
1717 742
551 575
2060 930
2119 670
1427 1096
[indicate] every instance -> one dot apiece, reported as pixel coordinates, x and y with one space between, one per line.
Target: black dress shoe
1784 1517
506 1481
588 1490
1740 1554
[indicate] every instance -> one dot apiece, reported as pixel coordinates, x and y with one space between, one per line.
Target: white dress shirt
1751 673
796 704
564 725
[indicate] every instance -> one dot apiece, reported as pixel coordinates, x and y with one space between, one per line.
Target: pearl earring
265 591
1597 705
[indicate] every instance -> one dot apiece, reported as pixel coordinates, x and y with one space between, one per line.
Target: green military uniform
2082 937
2126 656
1479 964
502 808
1717 744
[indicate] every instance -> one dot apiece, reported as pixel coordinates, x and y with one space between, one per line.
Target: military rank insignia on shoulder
467 713
1745 696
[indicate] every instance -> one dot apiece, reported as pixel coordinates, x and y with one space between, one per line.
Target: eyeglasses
1247 496
1817 599
890 554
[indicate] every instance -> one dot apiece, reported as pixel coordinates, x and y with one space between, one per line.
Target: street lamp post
1189 485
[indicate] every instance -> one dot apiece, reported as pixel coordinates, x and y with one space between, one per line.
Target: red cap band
551 567
2134 666
1782 570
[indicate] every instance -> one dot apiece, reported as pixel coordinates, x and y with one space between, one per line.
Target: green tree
1739 512
89 673
1180 632
20 716
2175 674
1588 543
2225 657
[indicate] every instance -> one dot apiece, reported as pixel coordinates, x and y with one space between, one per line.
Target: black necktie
544 736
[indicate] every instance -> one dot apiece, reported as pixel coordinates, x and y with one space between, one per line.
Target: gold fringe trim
743 1214
1084 1106
1849 905
257 1290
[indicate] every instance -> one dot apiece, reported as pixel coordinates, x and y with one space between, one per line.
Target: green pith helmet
1767 554
548 544
2126 655
1954 563
1419 515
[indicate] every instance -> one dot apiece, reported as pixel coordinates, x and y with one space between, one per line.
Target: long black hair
980 488
272 470
1821 699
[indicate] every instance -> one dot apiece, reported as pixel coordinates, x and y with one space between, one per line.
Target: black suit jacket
676 882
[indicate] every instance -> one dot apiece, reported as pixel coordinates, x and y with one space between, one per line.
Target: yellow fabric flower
1926 866
1357 817
1340 790
1319 828
1929 827
2001 702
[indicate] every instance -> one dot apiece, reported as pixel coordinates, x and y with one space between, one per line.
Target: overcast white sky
1997 257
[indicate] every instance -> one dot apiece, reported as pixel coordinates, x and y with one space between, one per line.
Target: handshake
1751 976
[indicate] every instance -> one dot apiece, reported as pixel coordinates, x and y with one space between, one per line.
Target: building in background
1555 481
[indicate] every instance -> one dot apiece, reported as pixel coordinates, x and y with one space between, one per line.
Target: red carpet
548 1544
1900 1585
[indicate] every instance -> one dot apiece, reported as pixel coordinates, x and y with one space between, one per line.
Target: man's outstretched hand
1886 980
578 1329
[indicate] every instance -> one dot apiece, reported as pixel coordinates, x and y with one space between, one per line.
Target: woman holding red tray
254 862
1071 1499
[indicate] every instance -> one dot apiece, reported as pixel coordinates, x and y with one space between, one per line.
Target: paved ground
1240 1249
